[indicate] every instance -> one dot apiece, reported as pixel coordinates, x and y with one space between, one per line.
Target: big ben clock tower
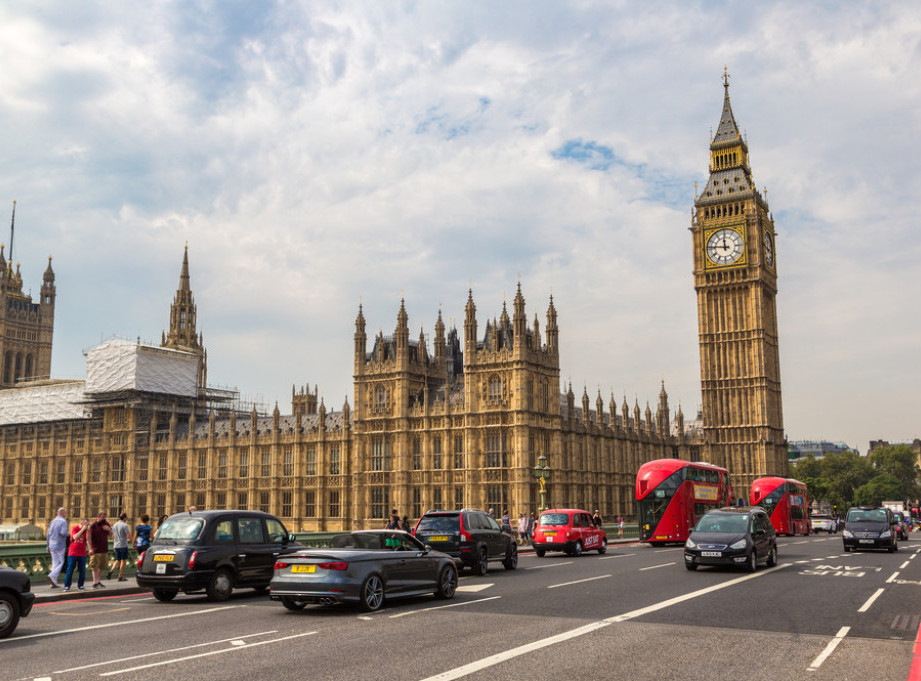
735 275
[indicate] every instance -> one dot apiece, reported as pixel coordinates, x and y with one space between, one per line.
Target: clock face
768 250
724 246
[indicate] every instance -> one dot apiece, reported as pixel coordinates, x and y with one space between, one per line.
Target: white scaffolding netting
48 402
122 365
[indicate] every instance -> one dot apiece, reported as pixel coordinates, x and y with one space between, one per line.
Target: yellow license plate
440 537
304 569
164 558
550 534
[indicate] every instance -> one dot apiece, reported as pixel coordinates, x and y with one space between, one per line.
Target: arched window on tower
495 388
28 373
17 368
182 319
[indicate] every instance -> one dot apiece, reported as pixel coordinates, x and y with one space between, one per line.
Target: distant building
801 448
914 444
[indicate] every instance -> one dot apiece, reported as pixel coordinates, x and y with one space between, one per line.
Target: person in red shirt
76 555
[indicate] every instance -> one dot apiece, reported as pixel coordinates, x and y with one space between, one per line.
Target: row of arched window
726 160
724 211
16 366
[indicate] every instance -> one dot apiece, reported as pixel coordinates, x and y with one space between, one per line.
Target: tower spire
12 229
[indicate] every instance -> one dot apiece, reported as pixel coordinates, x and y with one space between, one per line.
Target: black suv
740 536
870 527
214 552
470 536
16 599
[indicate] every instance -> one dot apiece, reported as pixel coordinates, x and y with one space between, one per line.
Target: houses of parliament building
458 424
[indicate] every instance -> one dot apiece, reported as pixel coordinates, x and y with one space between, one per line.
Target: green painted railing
33 559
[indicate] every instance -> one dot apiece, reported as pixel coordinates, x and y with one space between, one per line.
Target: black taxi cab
214 552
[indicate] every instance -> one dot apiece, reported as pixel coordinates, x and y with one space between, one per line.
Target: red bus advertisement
786 502
672 494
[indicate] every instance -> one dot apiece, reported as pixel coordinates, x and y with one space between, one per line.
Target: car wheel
577 549
752 564
165 595
293 603
511 560
540 553
482 566
603 547
220 586
772 557
372 594
9 614
447 583
690 566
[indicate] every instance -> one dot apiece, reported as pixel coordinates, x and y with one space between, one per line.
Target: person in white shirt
57 545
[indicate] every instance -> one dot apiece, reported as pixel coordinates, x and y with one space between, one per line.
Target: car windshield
722 522
180 528
438 523
550 519
859 515
375 540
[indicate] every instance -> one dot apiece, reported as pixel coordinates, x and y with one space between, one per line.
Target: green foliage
845 479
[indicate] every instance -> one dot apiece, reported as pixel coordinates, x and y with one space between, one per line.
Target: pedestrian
160 521
522 528
142 534
100 531
394 522
506 522
492 514
76 555
620 526
121 538
531 522
596 519
57 545
405 526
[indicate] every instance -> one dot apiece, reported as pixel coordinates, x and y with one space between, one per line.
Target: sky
317 155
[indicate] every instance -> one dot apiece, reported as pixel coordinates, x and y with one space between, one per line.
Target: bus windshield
652 508
771 500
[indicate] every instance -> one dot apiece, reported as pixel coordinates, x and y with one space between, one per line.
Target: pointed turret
470 328
599 409
552 329
401 335
440 343
361 340
585 405
182 334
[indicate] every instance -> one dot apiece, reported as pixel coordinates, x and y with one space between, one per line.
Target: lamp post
542 473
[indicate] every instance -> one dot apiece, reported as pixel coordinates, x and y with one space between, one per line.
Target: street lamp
542 473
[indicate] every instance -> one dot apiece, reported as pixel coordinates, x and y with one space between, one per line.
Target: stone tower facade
26 327
182 333
735 275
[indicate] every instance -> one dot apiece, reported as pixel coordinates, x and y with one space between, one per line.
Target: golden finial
725 77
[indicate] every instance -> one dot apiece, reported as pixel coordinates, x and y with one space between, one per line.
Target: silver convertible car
363 567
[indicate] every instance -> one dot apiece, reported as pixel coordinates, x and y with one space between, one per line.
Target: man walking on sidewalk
57 545
99 548
121 535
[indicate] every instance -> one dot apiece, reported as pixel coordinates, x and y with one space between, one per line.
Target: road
634 613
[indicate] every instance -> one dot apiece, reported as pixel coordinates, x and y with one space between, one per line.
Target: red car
569 530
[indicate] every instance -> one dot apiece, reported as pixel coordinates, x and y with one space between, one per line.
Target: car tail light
464 535
279 565
141 559
192 560
339 565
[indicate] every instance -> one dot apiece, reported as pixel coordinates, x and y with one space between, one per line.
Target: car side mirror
289 538
426 548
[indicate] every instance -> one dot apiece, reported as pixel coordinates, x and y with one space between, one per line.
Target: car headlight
848 534
885 534
741 544
690 544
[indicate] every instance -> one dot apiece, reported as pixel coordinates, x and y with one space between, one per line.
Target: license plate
711 554
550 534
439 537
549 538
866 541
163 558
161 568
304 569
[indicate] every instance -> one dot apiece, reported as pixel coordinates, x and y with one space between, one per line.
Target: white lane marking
870 600
163 652
440 607
119 624
829 649
538 567
653 567
365 618
912 556
677 548
804 541
620 555
903 565
208 654
473 588
578 581
504 656
238 642
892 578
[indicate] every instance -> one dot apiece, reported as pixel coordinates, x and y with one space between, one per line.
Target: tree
880 488
900 462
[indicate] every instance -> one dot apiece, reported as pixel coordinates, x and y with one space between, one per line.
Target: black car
870 527
16 599
740 537
214 552
470 536
365 568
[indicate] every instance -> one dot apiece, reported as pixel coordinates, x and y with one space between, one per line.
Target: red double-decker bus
786 501
672 494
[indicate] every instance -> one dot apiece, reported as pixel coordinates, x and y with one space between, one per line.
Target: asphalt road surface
634 613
